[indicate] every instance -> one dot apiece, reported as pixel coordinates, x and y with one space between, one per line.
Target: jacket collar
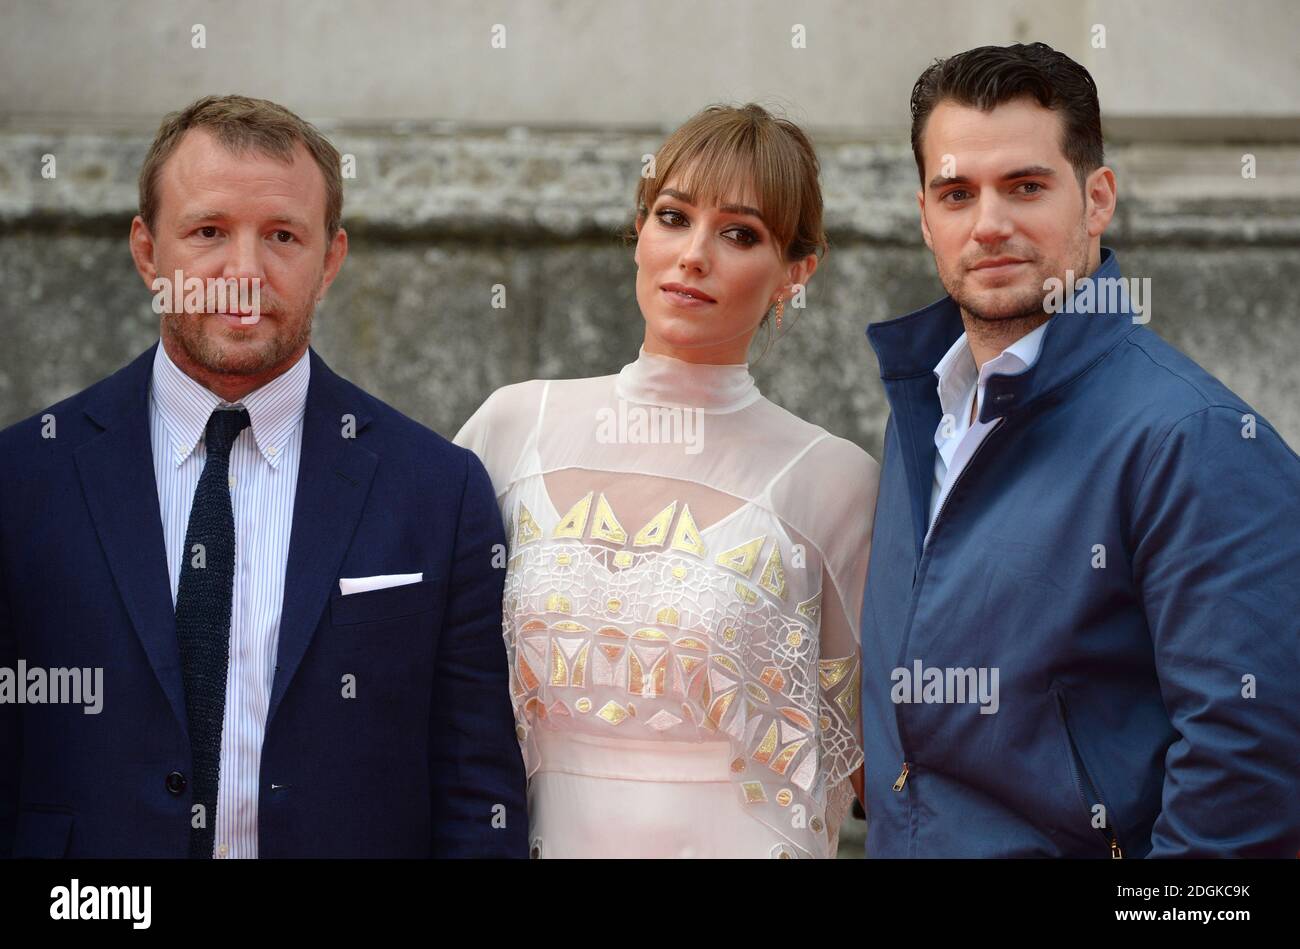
119 399
911 345
117 476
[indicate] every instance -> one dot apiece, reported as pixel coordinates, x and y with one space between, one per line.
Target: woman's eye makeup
739 234
744 235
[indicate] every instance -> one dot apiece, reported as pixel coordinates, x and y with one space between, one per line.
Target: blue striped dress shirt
263 480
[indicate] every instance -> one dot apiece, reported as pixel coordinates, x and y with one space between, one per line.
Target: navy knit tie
203 619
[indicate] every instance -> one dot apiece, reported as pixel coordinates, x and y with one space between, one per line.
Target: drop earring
780 308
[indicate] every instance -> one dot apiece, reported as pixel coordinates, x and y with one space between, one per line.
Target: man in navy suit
288 593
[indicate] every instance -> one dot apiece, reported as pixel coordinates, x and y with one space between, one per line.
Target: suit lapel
334 478
117 478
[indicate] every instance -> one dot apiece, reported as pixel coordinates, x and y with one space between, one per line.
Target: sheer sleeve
500 433
502 428
838 518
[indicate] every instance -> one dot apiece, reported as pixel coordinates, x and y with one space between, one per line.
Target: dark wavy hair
989 76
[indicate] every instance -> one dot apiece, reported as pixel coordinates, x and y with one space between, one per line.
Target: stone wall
437 218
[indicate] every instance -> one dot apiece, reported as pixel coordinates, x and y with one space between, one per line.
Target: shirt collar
956 370
1017 357
956 373
907 348
274 409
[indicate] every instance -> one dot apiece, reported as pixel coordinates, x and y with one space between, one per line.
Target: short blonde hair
725 147
240 123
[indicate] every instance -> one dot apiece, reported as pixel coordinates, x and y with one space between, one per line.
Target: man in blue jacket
247 609
1080 632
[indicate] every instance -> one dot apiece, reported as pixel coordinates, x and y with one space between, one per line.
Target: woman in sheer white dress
686 560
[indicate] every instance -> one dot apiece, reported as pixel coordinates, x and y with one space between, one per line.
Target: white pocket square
362 584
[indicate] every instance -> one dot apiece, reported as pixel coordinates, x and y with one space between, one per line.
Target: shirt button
223 851
273 450
232 481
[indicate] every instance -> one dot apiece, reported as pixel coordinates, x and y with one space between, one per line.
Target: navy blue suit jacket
423 761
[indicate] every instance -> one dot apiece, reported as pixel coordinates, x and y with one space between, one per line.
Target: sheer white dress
685 569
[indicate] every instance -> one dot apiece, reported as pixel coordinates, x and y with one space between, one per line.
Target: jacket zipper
906 766
1080 777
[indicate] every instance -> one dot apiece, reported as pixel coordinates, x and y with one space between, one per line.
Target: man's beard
230 356
1029 306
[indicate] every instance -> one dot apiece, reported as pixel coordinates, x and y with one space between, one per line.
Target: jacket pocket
1089 796
42 833
372 606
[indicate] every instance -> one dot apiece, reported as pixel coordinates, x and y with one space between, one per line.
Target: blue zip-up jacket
1123 551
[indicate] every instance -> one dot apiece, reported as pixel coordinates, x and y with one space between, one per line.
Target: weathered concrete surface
438 220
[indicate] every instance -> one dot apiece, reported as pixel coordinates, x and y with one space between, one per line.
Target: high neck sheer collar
662 380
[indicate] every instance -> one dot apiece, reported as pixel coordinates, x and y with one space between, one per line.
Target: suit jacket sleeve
1217 562
476 770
